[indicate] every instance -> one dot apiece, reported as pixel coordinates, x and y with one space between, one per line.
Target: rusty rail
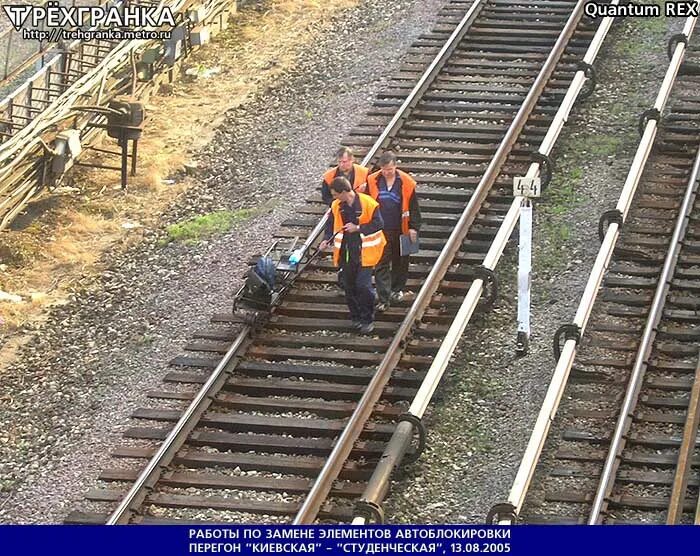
685 456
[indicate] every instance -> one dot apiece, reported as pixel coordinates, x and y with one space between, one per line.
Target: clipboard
407 246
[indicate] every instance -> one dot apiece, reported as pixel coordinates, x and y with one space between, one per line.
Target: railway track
282 397
623 445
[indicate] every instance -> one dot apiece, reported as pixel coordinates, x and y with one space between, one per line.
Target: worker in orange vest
355 227
346 168
395 191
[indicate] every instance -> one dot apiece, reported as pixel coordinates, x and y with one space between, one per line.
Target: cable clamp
501 511
419 427
546 167
490 292
589 71
607 218
674 41
370 511
569 332
646 117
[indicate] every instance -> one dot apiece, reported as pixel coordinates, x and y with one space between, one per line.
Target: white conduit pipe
466 310
561 372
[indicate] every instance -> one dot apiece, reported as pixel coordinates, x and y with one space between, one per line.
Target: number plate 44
526 187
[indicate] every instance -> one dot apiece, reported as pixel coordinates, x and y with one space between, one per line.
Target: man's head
341 189
387 164
345 158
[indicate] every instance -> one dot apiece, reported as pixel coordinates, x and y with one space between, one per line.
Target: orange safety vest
408 187
360 176
372 244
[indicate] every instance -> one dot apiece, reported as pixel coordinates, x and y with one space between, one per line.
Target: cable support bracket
613 216
370 511
420 428
589 71
501 511
255 320
546 167
570 332
490 292
646 117
674 41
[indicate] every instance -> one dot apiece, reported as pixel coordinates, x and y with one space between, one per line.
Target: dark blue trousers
359 294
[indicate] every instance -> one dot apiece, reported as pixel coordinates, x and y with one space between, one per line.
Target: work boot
397 296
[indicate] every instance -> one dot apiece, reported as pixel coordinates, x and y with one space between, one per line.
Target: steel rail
634 386
378 485
343 447
404 111
149 476
685 455
151 473
555 390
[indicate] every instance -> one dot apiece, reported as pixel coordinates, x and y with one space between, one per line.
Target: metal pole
363 411
524 277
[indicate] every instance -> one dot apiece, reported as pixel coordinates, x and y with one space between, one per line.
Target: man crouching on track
355 226
346 168
395 191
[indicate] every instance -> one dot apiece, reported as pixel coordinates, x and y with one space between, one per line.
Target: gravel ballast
69 396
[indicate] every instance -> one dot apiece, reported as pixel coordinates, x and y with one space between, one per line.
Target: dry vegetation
58 249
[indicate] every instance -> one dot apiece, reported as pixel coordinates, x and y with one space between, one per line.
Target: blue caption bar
343 540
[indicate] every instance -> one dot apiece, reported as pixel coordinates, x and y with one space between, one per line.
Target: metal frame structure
53 99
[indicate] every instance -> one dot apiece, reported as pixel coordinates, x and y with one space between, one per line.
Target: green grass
561 194
645 33
195 229
560 198
599 145
281 145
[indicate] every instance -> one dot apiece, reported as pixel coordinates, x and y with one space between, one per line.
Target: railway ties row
286 394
